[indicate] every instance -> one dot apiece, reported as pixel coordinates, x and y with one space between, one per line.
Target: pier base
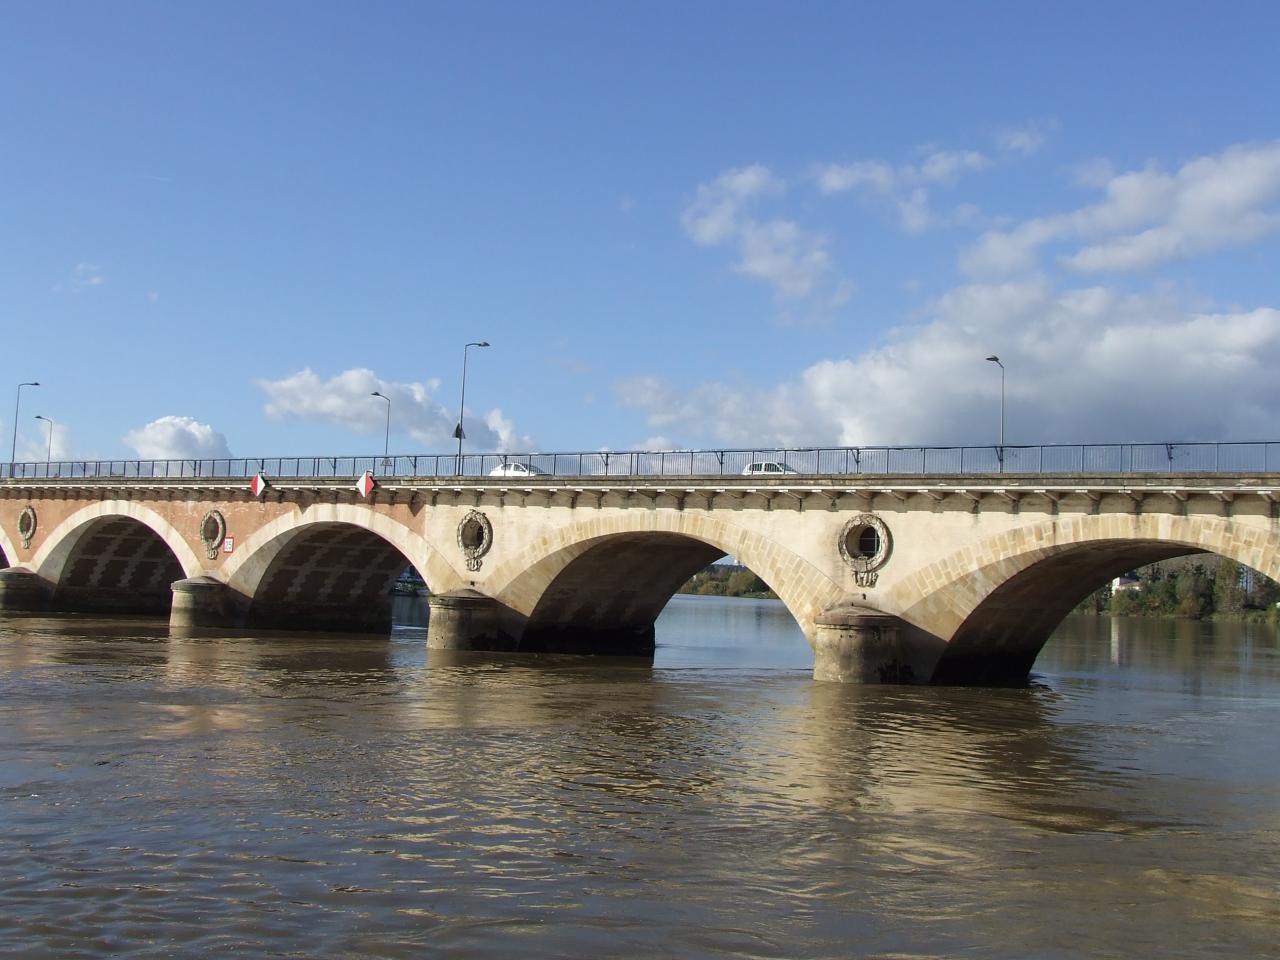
23 591
468 620
202 602
856 644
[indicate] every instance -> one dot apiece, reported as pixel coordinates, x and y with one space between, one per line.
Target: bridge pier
859 644
468 620
22 590
202 602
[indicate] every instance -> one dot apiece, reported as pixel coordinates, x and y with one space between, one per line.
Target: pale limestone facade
976 574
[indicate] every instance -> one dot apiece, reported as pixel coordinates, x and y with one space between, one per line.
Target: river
339 797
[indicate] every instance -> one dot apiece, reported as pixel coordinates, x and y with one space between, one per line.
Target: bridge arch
8 555
115 556
996 615
607 578
330 567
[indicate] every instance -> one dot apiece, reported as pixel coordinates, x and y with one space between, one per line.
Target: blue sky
679 225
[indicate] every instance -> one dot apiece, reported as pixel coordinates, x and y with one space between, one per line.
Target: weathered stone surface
202 602
466 619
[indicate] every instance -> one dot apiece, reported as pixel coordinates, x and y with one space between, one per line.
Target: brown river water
286 796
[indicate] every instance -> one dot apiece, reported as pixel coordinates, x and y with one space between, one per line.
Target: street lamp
13 450
386 437
48 457
462 404
996 360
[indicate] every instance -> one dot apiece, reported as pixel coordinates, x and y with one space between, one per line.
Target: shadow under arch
110 564
598 586
325 575
50 560
1003 613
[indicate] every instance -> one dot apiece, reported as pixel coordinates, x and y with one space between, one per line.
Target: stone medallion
27 526
475 537
213 530
865 543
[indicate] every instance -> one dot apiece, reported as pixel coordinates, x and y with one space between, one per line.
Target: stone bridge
892 578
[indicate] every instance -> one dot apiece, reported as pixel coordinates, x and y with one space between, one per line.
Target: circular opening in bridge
472 534
863 541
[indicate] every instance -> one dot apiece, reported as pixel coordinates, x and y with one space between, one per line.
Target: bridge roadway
892 578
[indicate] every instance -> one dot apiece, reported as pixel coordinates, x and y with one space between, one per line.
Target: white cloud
905 186
1149 217
782 254
874 174
1024 140
792 260
716 212
1083 365
346 400
85 276
34 447
504 429
946 166
177 438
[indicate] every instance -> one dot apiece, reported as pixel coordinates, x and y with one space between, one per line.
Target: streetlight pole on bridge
996 360
462 404
386 436
13 450
48 457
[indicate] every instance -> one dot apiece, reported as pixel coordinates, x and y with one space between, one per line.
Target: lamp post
462 403
386 436
48 457
996 360
13 450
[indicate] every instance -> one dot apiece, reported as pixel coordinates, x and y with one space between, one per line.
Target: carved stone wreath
475 537
27 526
865 543
213 530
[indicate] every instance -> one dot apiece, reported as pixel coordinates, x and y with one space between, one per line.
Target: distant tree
1228 596
1265 593
742 582
1193 593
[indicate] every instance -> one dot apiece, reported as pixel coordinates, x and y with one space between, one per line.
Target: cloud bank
177 438
1086 360
1148 217
1085 364
346 400
793 261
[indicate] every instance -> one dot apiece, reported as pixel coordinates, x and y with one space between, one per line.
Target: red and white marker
365 485
258 485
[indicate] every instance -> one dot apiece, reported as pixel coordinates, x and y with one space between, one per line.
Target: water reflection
336 796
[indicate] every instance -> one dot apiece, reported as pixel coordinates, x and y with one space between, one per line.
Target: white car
767 468
517 470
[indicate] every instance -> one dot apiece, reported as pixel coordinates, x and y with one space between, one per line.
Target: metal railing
1048 459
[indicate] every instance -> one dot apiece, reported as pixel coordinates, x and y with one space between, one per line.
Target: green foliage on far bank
1194 588
723 580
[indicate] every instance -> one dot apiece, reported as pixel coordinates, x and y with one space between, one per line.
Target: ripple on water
334 798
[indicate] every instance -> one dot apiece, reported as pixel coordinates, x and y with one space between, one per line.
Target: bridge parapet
1166 457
